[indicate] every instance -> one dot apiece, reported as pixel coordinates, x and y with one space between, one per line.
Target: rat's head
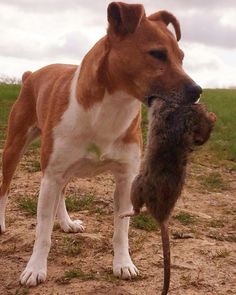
144 57
203 124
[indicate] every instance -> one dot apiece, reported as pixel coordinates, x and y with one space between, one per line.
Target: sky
36 33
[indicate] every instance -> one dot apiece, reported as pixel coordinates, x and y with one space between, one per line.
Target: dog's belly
83 158
84 168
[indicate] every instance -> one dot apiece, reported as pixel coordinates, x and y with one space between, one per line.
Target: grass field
8 94
202 229
222 145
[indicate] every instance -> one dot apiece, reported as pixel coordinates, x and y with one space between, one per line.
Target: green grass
71 246
78 273
223 140
222 253
221 101
217 223
144 222
144 124
75 273
28 205
222 144
8 94
22 291
79 203
213 182
185 218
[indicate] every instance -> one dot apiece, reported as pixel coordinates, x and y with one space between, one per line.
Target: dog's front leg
36 269
123 266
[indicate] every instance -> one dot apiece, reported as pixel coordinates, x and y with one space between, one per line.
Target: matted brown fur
173 131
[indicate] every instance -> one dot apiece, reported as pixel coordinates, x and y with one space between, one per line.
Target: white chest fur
92 134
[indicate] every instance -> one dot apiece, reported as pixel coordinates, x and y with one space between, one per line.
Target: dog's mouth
149 99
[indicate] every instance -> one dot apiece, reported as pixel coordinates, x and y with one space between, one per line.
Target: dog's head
144 56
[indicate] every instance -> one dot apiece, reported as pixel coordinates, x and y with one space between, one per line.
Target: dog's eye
160 54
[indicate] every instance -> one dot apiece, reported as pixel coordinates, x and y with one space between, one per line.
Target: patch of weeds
78 273
79 203
99 211
35 144
108 276
71 247
56 226
185 218
144 222
213 182
216 223
139 242
222 253
10 249
22 291
28 205
233 167
33 166
75 273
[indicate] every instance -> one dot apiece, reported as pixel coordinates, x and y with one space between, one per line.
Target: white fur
87 142
67 225
3 204
101 125
36 269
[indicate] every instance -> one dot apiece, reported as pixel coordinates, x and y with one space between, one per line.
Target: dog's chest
93 136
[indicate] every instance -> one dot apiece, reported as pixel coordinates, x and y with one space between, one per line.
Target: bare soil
203 251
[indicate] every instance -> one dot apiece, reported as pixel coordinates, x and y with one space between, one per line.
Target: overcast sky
36 33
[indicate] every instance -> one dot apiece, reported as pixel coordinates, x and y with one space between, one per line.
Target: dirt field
203 238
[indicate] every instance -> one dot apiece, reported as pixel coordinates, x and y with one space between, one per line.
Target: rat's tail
166 255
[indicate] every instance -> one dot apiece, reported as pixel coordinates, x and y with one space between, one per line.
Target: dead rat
173 131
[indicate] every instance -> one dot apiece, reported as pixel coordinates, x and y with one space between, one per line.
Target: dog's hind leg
67 225
21 131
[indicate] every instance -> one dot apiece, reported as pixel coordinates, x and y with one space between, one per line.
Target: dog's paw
124 268
70 226
2 227
32 276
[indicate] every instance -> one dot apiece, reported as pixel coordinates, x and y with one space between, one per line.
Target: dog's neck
92 82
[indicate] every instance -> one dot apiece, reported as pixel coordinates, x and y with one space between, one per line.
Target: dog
97 104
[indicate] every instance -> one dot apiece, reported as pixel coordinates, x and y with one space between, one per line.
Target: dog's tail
26 76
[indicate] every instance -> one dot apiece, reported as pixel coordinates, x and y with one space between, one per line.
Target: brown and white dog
95 105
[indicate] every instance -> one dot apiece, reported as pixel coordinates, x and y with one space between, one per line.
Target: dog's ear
167 18
124 18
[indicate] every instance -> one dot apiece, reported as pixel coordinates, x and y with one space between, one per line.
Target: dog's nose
193 92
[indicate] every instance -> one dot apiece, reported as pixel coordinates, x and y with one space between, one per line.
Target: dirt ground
203 249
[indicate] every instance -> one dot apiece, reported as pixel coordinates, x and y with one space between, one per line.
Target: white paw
75 226
124 268
3 202
2 227
32 276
